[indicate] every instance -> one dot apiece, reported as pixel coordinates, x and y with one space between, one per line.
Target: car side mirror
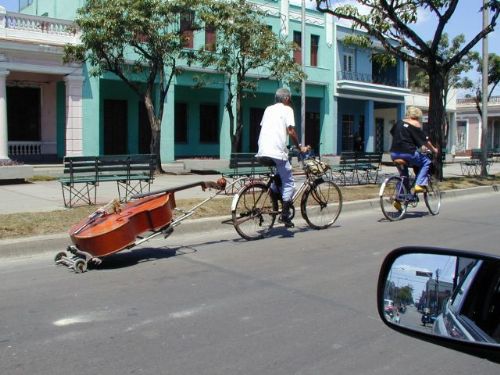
448 297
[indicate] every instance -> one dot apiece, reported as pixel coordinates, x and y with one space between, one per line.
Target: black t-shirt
406 138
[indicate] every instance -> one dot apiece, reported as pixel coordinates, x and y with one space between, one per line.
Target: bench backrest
243 160
81 166
347 157
125 165
353 157
369 158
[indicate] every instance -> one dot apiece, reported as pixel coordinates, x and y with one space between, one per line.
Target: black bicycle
255 206
397 193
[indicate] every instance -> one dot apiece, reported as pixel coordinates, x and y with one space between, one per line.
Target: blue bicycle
397 194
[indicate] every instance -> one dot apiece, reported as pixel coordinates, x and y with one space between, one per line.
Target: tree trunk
229 109
155 124
436 119
239 121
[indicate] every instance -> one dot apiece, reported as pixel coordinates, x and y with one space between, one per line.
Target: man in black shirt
408 139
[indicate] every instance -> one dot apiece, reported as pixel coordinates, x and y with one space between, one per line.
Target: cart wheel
60 255
80 266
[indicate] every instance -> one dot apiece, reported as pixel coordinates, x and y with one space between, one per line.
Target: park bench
472 166
243 164
82 174
358 167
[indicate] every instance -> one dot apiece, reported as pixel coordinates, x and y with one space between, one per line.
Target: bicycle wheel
321 204
432 196
392 198
254 211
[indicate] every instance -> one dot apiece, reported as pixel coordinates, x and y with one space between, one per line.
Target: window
186 28
314 50
209 123
297 41
181 123
348 62
210 38
347 132
24 113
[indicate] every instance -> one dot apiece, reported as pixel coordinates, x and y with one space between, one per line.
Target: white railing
25 148
19 21
23 26
472 101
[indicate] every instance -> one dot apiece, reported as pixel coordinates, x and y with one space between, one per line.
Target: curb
59 241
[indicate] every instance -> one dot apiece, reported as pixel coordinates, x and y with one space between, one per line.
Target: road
300 302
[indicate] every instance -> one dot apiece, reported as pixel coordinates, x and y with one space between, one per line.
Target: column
74 115
4 147
167 140
369 126
225 136
452 136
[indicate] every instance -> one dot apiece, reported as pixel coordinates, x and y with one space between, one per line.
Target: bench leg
126 189
79 194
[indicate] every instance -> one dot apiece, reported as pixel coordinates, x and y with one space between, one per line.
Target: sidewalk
47 196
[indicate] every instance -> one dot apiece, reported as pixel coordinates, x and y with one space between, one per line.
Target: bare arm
431 146
295 139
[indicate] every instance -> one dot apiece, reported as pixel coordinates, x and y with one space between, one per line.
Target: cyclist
408 143
278 123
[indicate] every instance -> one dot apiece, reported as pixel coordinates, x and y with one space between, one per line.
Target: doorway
115 127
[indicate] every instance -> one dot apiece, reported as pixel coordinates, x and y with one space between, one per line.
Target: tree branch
443 20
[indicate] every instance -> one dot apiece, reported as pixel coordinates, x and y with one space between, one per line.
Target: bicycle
397 193
255 206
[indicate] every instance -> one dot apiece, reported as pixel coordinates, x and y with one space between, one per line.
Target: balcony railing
369 78
472 101
25 148
19 21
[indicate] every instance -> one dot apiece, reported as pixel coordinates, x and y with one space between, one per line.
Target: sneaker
420 189
397 205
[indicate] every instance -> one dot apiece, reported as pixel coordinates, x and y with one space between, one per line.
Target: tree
140 42
390 23
493 79
244 44
454 79
405 294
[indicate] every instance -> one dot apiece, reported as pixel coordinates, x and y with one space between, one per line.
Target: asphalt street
299 302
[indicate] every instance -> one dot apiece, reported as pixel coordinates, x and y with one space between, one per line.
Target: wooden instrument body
109 233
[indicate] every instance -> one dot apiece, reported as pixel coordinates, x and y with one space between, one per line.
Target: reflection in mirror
445 295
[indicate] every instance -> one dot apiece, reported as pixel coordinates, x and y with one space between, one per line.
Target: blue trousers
421 161
284 170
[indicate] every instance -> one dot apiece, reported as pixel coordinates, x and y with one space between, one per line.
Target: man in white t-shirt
278 123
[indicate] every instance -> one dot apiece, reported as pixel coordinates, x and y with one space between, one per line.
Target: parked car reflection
473 312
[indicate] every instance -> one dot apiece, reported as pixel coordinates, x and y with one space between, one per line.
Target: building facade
49 109
469 126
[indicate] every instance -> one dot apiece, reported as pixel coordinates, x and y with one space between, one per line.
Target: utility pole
303 82
484 97
437 290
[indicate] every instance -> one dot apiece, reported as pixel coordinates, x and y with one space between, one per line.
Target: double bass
116 226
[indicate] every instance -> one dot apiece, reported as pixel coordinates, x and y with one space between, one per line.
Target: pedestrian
277 125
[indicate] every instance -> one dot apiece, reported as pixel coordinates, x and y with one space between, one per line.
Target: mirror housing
483 349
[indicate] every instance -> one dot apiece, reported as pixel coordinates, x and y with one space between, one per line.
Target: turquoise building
350 102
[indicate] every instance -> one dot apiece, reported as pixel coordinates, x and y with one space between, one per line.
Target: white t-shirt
273 137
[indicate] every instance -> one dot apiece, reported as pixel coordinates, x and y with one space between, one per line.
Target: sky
403 271
466 20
